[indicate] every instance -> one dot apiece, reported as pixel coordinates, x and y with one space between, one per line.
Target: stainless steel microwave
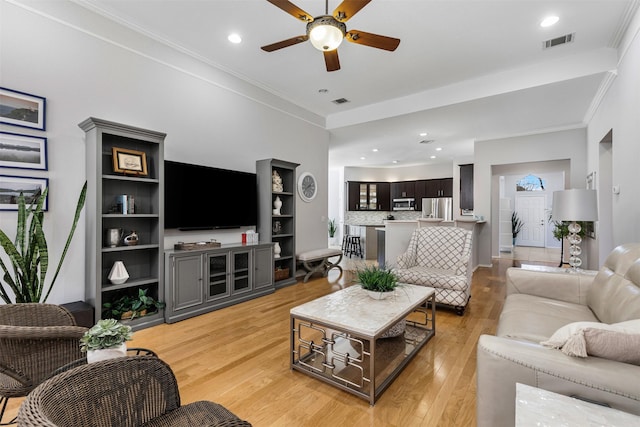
405 204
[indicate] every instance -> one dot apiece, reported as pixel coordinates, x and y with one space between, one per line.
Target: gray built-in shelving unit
286 237
144 261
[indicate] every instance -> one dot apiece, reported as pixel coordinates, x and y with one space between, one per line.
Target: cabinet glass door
241 276
363 202
218 267
373 197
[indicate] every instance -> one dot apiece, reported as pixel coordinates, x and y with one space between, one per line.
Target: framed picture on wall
23 151
22 109
590 227
12 186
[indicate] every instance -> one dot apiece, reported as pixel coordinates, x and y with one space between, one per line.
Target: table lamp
572 206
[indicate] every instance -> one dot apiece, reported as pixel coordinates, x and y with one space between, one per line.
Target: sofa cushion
614 295
534 318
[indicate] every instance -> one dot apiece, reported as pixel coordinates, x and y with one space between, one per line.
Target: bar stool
354 246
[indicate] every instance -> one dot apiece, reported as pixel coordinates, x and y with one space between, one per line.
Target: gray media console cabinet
199 281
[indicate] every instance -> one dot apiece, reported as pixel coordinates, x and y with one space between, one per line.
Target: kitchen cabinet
403 189
439 187
466 187
368 196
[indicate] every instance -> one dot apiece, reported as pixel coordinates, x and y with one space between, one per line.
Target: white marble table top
543 408
351 309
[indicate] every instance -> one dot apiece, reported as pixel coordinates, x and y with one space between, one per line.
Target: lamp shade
575 205
326 33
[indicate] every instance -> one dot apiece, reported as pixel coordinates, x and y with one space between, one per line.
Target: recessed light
234 38
375 150
363 158
423 134
549 21
439 149
433 157
395 161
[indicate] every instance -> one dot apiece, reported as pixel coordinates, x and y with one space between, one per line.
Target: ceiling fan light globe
325 33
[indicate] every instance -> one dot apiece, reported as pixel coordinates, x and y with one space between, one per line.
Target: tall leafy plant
29 254
516 224
332 227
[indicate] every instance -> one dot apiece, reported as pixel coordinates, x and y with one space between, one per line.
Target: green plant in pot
379 281
332 228
105 340
29 253
516 226
131 306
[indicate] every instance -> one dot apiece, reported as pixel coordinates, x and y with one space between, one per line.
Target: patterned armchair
439 257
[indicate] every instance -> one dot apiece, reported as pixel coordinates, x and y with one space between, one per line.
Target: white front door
531 210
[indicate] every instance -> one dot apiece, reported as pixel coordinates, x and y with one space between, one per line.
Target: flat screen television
201 197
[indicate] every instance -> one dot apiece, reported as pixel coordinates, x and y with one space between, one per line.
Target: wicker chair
122 392
35 340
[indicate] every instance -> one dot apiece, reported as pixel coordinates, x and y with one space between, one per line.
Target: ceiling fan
326 32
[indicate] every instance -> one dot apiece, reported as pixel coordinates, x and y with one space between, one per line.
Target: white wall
618 111
88 66
567 145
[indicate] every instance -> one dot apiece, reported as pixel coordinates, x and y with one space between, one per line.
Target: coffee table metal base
362 366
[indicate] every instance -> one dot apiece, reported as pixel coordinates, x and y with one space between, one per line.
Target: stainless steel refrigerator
439 207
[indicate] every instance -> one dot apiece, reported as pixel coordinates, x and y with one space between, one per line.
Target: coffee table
340 338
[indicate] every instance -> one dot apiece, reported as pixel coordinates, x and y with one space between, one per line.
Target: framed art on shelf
22 109
12 186
23 151
131 162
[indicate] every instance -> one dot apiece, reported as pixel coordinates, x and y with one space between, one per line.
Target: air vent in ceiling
340 101
426 141
567 38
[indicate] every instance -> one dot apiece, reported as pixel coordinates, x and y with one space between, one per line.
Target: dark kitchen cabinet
369 196
403 189
439 187
466 187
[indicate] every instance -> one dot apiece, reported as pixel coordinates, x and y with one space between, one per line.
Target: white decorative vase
118 274
106 353
378 295
277 250
277 204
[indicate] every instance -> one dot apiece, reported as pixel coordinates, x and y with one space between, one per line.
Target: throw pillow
612 345
618 341
560 337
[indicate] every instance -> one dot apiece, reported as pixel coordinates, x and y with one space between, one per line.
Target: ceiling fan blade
292 10
284 43
372 40
348 8
331 59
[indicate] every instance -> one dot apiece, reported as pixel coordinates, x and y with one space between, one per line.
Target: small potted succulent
105 340
379 282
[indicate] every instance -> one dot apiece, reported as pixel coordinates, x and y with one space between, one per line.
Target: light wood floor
239 357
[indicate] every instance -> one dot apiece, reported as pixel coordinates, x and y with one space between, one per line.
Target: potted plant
130 307
516 226
379 282
105 340
333 227
29 254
